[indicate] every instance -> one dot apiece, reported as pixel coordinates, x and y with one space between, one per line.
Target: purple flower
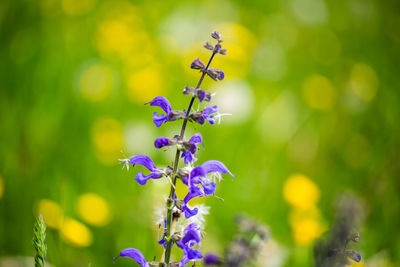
163 141
216 35
149 164
134 254
197 64
188 90
169 115
203 95
216 74
212 259
164 104
208 46
200 93
192 237
194 191
198 175
190 148
354 255
205 114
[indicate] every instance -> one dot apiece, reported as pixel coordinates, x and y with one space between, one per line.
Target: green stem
170 201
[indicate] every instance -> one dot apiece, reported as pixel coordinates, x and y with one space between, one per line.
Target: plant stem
171 201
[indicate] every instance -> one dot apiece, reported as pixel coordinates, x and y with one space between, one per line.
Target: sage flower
188 148
192 237
216 74
149 164
205 114
197 64
134 254
170 115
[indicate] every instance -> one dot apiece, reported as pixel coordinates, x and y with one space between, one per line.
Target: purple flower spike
134 254
164 104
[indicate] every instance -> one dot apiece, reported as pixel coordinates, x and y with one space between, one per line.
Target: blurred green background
312 86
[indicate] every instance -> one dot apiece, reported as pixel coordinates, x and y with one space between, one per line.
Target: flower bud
188 90
216 35
355 237
222 51
197 64
208 46
216 74
175 115
203 95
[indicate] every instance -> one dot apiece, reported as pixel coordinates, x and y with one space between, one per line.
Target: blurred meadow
313 92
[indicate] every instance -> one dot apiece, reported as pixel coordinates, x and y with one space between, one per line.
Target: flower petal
188 157
189 212
143 160
209 188
214 166
161 102
161 142
134 254
159 119
210 110
197 138
142 179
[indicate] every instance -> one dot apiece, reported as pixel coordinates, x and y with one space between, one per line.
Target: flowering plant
200 180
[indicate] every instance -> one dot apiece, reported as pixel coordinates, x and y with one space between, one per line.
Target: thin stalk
171 201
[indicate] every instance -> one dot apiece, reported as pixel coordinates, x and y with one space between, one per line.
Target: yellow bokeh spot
93 209
144 84
355 264
363 81
301 192
96 82
52 212
306 230
319 93
107 140
1 187
77 7
76 233
121 34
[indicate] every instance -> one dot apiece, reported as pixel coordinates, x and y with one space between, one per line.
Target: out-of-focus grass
313 91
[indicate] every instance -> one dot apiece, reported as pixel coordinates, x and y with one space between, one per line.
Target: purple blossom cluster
200 180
